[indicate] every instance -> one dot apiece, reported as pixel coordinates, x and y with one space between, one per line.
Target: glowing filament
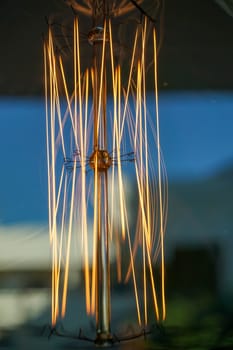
85 138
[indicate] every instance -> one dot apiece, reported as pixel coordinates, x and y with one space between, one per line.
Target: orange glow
77 121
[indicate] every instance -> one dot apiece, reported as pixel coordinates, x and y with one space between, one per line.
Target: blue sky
196 138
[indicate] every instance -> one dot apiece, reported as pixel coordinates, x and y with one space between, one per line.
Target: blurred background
196 115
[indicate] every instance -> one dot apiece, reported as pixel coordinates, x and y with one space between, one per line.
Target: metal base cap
104 340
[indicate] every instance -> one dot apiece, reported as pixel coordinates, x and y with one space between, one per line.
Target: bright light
98 129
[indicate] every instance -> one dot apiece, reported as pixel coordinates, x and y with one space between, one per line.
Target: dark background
196 51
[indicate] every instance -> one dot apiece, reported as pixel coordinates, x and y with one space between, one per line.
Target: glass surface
196 139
